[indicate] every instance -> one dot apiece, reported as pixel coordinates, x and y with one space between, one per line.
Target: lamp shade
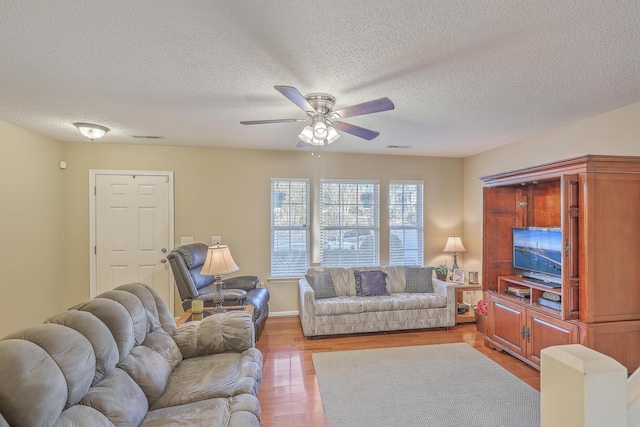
454 244
320 130
306 135
219 261
332 134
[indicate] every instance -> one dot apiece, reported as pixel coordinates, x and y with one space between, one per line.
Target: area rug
432 385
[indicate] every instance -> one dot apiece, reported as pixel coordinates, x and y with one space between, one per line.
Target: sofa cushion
23 400
419 279
104 346
214 334
70 350
165 346
81 415
238 411
370 283
149 370
119 398
393 302
322 285
405 301
218 375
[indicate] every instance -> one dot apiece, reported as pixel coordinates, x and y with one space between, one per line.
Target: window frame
295 268
418 228
367 237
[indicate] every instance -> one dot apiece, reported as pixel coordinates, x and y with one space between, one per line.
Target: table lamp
454 244
217 263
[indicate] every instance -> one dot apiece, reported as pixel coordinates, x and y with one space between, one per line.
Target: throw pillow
419 279
322 285
370 283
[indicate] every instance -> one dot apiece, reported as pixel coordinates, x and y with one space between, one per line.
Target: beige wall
32 242
614 133
44 210
225 192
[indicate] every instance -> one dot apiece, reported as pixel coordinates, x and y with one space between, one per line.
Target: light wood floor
289 393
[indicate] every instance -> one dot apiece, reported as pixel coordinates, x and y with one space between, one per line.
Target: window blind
349 223
406 227
289 227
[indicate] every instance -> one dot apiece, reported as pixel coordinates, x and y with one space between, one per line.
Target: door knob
163 260
164 250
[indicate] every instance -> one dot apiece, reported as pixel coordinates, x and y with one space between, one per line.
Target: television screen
538 250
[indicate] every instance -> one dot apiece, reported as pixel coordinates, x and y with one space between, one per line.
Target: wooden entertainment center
596 201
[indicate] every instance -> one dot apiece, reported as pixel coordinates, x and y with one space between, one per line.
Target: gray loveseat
119 360
410 304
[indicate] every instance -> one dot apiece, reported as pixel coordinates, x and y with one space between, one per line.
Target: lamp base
455 265
218 298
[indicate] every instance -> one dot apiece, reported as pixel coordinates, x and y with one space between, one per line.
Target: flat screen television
537 253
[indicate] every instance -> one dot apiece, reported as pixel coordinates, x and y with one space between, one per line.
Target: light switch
186 240
216 240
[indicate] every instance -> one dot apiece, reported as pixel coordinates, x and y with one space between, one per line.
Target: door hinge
95 250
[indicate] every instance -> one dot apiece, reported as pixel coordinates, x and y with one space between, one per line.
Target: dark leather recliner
186 262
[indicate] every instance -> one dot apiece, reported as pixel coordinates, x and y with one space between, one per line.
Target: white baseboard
283 313
275 314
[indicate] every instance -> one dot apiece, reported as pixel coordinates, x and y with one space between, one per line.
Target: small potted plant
441 271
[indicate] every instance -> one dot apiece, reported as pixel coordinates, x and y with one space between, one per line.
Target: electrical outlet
216 240
186 240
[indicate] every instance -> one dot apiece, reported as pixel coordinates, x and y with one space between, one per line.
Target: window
289 227
406 229
349 223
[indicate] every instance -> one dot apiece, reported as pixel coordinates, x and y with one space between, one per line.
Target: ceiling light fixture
91 131
320 132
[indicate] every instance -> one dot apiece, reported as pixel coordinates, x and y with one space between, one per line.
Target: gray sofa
120 360
342 311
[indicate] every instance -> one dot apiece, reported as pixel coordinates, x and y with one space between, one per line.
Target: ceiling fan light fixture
92 131
320 130
306 135
332 134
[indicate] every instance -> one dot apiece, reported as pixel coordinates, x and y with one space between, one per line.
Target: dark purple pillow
370 283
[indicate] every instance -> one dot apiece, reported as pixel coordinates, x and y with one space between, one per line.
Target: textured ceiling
465 76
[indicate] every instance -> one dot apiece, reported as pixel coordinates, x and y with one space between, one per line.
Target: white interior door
133 231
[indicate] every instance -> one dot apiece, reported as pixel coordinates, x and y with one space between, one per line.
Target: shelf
469 316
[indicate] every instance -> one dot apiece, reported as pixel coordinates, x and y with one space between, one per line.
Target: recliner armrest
242 282
217 333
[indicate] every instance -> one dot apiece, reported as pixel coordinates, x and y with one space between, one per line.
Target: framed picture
458 276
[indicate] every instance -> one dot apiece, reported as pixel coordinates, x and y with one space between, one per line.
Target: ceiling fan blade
261 122
296 97
377 105
301 144
356 130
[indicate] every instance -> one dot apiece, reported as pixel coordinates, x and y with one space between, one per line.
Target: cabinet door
507 325
571 193
504 207
544 331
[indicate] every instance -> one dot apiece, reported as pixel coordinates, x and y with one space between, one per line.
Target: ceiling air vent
398 146
146 137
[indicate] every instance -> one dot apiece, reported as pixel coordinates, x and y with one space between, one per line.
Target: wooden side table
469 316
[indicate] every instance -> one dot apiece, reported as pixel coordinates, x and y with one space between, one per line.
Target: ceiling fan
324 120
